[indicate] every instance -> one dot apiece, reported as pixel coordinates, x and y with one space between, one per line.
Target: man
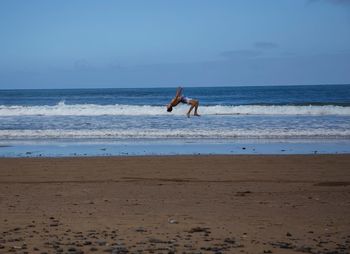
181 98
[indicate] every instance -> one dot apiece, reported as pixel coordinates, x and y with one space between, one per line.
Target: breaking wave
62 109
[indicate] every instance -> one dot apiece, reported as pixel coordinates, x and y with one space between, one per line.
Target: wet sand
176 204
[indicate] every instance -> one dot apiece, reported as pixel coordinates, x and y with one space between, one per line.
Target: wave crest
62 109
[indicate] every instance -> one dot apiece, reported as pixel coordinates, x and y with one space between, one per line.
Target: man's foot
188 115
196 114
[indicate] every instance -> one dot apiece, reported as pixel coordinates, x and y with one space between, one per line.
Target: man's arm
178 92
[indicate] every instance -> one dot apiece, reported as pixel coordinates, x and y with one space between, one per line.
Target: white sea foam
180 133
62 109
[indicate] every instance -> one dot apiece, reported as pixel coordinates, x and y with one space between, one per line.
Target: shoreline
176 204
156 156
102 148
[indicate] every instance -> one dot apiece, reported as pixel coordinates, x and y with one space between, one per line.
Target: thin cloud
82 65
338 2
244 53
115 65
265 45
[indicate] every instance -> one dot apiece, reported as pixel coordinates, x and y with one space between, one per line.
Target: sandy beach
176 204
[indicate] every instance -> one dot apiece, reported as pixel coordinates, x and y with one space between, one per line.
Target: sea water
128 117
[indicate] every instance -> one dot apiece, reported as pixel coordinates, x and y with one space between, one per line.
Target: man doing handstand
181 98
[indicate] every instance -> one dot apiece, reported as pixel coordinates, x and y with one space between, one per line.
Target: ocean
228 114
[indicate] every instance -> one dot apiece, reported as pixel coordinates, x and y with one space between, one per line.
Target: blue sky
111 43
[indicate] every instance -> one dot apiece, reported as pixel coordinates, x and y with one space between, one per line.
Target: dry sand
176 204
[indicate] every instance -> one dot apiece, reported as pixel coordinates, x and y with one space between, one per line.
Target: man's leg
196 108
189 111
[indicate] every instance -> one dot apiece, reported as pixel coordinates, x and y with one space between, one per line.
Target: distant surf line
275 133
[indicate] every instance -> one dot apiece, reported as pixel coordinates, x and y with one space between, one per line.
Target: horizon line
162 87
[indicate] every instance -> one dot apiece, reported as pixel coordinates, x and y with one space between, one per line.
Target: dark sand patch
332 184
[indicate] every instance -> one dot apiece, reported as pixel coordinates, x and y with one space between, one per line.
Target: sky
166 43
